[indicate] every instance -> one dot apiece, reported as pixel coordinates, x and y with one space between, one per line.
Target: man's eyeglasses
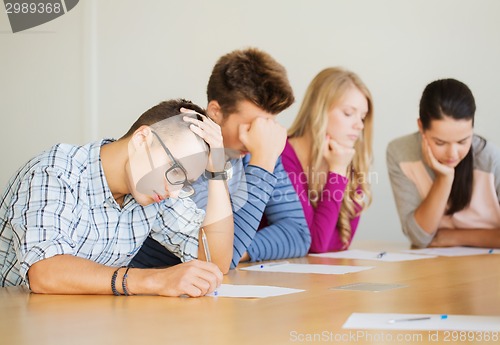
176 175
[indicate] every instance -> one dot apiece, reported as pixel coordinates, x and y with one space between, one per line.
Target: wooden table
450 285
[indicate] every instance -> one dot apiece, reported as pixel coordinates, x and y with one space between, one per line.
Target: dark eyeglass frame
187 189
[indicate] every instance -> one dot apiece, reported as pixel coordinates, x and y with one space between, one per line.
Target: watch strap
215 175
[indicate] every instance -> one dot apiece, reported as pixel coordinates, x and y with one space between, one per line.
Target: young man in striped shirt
246 90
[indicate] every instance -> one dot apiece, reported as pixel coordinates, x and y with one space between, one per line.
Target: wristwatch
215 175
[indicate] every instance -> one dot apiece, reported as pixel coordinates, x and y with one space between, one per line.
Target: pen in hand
207 250
205 245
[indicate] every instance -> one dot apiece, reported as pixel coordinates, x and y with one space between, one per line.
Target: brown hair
163 111
251 75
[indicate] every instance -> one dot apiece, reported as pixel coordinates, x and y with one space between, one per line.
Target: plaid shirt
60 203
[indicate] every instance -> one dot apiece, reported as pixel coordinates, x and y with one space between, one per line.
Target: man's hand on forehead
211 132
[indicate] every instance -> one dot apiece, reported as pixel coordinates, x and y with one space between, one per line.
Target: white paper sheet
286 267
454 251
435 322
251 291
369 255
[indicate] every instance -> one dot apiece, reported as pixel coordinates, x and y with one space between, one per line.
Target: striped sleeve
286 234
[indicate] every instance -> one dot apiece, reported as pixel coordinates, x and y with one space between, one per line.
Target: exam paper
436 322
370 255
251 291
306 268
453 251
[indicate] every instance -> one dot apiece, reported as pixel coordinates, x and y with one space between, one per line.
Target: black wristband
215 175
113 282
124 283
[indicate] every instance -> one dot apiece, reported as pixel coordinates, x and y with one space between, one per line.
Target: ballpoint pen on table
410 319
442 317
274 264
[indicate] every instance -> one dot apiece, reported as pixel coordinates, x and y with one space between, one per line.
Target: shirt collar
98 192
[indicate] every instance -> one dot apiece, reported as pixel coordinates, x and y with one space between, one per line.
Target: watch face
217 175
228 168
226 174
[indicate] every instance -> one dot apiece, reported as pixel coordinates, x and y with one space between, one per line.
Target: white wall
40 89
93 71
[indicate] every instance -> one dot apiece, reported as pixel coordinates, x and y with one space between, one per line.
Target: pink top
322 219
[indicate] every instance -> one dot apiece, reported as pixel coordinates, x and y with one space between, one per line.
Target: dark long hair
453 99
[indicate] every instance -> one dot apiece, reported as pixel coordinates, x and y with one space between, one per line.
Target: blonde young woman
327 156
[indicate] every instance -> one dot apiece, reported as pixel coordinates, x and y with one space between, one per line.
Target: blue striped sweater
269 222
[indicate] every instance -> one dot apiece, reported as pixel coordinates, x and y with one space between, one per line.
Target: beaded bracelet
124 283
113 282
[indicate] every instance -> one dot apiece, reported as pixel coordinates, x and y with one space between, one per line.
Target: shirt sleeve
178 226
287 234
406 197
322 219
324 232
491 153
42 216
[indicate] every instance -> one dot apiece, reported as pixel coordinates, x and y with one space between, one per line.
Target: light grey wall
40 89
92 72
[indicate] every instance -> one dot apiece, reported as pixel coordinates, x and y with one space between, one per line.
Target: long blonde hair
323 93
